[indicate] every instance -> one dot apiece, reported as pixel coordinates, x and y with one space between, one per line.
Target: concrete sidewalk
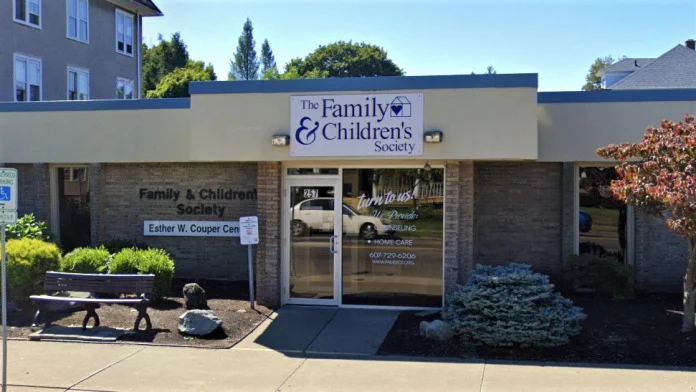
55 366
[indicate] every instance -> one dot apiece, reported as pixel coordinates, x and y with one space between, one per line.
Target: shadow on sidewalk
357 334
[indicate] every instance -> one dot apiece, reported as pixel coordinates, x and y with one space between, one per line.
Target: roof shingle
674 69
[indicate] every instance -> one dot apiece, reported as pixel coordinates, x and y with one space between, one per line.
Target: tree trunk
689 320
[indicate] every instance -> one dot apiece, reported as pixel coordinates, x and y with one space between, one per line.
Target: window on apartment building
27 75
124 32
124 88
28 12
78 84
78 20
75 174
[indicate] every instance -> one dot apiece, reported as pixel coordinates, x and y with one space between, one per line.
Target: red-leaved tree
658 175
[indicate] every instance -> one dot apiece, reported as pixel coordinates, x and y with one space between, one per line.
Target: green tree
175 84
269 69
593 80
163 58
490 70
245 65
343 59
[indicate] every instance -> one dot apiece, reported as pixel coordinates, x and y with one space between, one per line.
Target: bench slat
88 300
131 283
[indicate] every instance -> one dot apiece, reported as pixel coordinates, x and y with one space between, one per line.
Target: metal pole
251 279
4 310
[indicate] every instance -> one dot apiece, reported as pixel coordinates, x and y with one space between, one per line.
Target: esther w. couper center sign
357 125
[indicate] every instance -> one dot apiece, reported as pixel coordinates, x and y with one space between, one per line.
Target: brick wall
452 227
517 214
467 185
33 192
660 255
268 253
122 212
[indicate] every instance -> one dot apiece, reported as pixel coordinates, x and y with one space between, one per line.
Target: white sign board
8 189
8 217
356 125
249 230
190 228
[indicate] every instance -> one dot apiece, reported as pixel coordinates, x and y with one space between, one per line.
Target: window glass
393 246
21 10
84 17
20 80
124 88
72 18
83 85
27 79
34 12
72 85
129 89
601 216
315 171
119 32
129 35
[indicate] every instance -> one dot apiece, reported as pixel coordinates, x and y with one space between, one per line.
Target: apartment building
54 50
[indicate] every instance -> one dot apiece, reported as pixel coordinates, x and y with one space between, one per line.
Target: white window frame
27 59
26 7
77 21
78 71
125 81
125 16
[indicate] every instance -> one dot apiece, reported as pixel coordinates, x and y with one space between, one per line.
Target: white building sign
190 229
356 125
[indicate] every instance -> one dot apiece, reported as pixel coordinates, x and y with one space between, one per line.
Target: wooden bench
57 283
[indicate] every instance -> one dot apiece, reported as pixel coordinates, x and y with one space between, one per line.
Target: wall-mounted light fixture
280 140
433 136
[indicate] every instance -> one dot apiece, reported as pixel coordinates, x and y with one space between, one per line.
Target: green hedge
604 276
87 261
117 245
150 261
28 259
28 227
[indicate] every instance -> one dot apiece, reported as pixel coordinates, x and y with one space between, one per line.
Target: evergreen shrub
512 305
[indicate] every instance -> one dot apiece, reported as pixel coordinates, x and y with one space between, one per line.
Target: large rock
199 322
194 296
438 330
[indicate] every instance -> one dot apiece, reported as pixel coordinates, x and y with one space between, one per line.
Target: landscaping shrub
28 259
149 261
116 245
603 275
512 305
87 261
28 227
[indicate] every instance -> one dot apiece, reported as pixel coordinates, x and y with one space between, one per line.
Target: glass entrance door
313 227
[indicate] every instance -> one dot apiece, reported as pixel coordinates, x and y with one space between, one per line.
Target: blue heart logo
396 109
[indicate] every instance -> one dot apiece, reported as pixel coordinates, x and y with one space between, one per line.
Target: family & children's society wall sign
357 125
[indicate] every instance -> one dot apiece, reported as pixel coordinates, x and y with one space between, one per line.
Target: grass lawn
603 219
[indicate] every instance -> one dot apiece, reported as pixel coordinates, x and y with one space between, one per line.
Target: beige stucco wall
477 123
160 135
572 132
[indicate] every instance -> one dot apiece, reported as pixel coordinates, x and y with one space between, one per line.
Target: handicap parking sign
5 193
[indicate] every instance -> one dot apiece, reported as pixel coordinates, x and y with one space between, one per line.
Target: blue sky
558 39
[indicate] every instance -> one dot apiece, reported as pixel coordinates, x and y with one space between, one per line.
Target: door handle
332 244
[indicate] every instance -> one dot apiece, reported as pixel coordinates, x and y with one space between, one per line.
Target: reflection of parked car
585 221
317 215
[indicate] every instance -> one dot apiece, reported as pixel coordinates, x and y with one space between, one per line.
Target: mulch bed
641 331
229 300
